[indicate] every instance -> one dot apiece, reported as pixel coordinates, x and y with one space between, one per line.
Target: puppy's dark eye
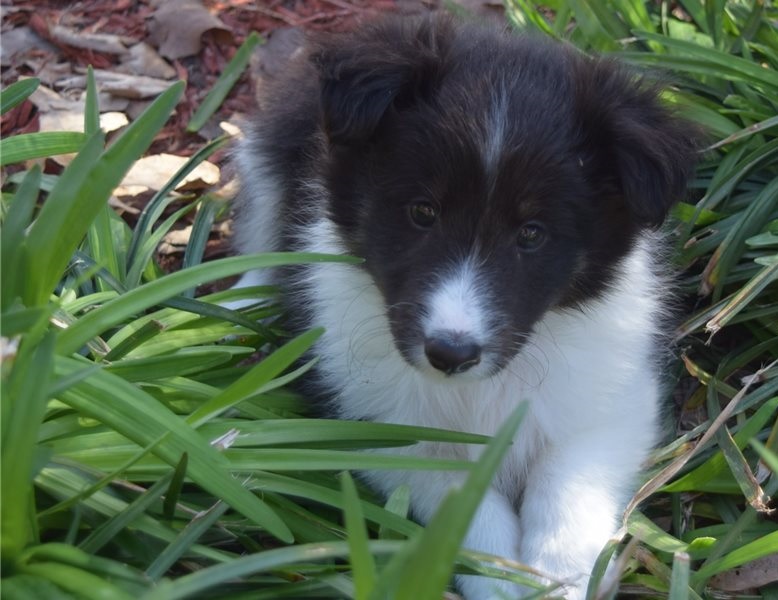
531 237
423 214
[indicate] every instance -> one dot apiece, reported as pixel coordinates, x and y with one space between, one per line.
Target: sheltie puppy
503 191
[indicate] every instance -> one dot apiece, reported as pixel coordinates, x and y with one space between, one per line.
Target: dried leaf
99 42
752 575
142 59
18 41
63 113
124 85
153 172
178 25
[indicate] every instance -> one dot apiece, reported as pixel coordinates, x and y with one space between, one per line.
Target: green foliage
136 436
146 454
721 59
222 87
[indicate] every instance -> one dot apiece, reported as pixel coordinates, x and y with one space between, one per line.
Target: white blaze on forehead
456 304
494 136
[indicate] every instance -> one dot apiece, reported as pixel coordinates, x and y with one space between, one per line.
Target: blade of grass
362 563
174 489
195 583
14 257
193 531
764 546
42 144
398 503
258 376
109 529
142 259
139 417
743 298
78 581
16 93
102 244
746 132
748 70
141 298
64 483
102 482
679 580
223 85
24 405
155 207
201 229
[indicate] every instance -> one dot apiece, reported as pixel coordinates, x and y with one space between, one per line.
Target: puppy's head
488 178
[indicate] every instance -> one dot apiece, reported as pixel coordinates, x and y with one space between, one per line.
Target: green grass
144 456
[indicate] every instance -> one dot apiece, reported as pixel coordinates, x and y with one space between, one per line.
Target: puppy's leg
253 278
573 503
493 530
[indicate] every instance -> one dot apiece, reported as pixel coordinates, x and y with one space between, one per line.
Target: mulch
130 18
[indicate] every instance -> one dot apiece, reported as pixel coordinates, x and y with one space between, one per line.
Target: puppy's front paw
474 587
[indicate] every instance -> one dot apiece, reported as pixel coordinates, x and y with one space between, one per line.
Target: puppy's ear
638 142
363 74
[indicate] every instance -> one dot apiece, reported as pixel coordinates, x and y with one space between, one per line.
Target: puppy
502 191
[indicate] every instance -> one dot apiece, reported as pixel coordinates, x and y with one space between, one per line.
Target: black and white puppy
502 191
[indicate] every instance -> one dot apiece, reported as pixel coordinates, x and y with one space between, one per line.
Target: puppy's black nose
452 353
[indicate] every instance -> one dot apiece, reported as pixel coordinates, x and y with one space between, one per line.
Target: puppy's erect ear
636 140
363 74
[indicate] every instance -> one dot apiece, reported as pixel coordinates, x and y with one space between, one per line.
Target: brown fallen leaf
124 85
177 26
18 42
99 42
66 113
752 575
57 112
142 59
153 172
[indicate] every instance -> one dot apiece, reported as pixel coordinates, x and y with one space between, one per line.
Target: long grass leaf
258 376
749 71
156 205
137 416
223 85
679 580
42 144
193 531
150 294
16 93
78 581
14 254
201 229
362 562
24 404
191 585
109 529
91 107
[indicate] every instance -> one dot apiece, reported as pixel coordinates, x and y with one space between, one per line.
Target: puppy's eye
531 237
423 214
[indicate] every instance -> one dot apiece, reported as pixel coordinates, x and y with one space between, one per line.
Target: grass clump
709 509
144 456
